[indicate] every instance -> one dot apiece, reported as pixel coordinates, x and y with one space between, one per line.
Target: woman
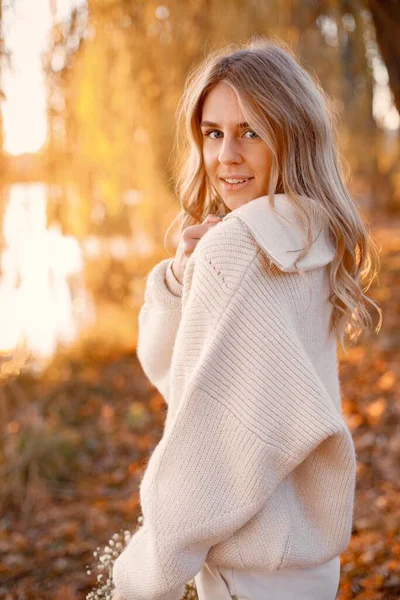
251 489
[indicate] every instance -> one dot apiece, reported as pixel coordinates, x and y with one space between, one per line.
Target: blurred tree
386 17
116 72
66 205
5 58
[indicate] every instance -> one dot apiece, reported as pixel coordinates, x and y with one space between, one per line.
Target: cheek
209 161
261 162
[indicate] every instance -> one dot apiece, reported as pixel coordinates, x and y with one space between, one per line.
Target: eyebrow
211 124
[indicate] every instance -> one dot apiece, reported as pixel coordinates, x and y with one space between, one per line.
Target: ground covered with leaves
75 442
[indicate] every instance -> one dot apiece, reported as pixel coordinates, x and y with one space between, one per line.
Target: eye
255 134
208 133
216 131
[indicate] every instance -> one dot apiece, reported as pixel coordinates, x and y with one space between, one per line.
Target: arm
242 418
174 286
159 319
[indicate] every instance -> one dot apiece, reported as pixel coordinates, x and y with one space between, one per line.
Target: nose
229 152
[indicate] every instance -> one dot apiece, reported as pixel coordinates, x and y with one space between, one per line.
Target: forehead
221 105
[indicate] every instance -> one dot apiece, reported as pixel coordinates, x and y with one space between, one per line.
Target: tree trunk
386 17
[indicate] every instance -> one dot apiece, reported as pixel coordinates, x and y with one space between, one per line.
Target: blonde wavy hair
289 110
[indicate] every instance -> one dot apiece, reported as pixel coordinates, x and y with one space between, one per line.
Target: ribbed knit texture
256 466
172 283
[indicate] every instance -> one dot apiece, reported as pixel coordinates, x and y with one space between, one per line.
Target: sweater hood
284 241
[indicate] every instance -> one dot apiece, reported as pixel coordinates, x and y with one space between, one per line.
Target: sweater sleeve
174 286
158 322
228 441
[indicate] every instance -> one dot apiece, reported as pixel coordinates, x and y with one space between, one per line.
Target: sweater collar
281 241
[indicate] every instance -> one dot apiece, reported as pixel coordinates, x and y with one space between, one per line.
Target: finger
197 231
211 217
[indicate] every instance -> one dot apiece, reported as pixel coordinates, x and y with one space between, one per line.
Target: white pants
315 583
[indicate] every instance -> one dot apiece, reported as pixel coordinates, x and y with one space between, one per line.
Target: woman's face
231 150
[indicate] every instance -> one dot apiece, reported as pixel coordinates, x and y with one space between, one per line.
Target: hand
116 595
189 240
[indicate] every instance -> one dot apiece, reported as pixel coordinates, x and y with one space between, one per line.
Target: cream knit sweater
256 466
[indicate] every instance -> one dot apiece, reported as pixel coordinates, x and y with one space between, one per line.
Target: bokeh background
88 98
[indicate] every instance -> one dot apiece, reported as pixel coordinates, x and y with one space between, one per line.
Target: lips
243 182
240 177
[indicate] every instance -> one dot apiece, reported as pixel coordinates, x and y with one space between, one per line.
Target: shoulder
229 247
218 264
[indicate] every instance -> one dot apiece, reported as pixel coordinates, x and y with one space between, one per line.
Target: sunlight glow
42 290
26 32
